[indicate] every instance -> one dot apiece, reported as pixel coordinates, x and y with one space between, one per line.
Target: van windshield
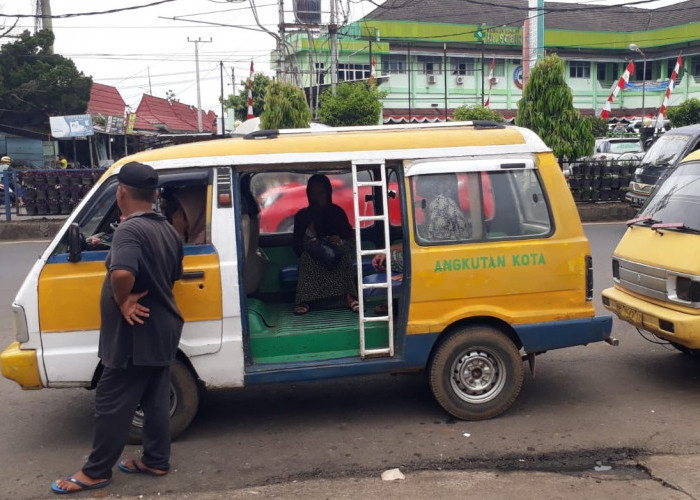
666 150
626 147
678 198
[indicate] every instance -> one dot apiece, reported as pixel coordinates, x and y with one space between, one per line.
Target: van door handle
193 275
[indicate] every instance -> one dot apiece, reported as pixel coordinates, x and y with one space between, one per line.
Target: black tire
693 353
494 378
184 398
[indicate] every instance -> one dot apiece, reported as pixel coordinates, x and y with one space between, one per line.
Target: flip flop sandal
355 307
301 309
135 469
83 486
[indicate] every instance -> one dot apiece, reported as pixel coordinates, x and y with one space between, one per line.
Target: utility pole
46 20
196 62
332 33
281 59
233 80
223 119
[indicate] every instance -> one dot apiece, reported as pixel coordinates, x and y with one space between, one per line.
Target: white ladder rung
375 319
364 218
374 251
370 183
377 352
368 286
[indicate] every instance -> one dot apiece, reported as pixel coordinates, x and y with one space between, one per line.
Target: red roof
106 101
175 117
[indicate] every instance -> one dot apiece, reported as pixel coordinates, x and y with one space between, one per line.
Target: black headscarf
328 220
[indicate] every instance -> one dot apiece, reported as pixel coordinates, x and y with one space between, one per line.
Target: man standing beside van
139 335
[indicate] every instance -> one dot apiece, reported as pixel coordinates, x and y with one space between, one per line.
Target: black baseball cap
138 175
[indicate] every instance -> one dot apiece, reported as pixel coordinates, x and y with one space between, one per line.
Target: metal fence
592 181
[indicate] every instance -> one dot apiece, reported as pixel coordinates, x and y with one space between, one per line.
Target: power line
81 14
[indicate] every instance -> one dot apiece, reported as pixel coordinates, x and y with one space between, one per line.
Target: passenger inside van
323 228
185 209
444 219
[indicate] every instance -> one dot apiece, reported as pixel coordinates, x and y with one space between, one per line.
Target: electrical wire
82 14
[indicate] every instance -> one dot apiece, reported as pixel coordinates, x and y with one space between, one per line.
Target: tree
353 104
547 108
239 103
36 83
687 113
285 107
599 126
465 113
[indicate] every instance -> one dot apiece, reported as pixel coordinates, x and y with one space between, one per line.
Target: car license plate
629 314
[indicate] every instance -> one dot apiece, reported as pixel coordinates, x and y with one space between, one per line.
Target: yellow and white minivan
655 266
468 311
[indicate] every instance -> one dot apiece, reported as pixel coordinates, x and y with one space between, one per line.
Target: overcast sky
121 49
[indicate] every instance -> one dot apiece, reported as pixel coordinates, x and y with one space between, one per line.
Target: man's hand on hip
132 311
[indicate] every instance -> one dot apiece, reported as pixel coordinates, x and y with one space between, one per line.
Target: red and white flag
488 100
250 93
622 82
373 71
669 89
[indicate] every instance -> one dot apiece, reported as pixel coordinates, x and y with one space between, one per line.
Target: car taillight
616 269
589 278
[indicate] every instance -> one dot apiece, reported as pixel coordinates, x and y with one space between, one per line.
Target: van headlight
20 323
683 289
638 171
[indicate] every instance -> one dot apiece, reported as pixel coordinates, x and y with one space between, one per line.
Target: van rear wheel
476 373
184 402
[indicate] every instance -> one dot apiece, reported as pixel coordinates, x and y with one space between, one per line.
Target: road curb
605 212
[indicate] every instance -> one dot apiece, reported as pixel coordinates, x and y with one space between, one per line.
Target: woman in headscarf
323 227
186 210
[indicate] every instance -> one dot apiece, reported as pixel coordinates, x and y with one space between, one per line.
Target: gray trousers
118 394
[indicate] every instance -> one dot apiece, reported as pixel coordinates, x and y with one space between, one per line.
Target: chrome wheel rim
478 375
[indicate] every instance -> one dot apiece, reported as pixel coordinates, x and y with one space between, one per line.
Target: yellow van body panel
21 366
519 281
671 250
69 294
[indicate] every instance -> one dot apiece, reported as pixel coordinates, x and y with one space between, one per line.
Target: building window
669 71
430 65
579 69
350 72
462 66
320 73
639 70
695 66
393 63
601 73
499 69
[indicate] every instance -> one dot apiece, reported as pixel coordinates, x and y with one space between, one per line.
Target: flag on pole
669 89
250 93
622 82
373 71
488 100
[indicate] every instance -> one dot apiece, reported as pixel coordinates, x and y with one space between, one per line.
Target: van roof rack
271 134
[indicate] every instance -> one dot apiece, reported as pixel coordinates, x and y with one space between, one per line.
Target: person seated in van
323 240
444 220
185 209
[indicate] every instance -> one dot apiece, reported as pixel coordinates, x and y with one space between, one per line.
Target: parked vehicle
468 310
660 160
655 266
618 148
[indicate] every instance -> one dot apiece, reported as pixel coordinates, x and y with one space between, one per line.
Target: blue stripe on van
538 337
417 349
101 255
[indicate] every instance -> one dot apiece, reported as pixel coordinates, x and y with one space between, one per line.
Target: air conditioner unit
495 80
460 80
432 79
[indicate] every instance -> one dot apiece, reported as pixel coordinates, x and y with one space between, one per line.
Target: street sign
479 35
64 127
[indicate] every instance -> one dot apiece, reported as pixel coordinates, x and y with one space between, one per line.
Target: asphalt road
584 404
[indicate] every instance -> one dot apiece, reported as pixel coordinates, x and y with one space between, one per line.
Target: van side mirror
75 243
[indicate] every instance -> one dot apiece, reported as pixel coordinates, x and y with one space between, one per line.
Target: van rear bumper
668 324
20 365
539 337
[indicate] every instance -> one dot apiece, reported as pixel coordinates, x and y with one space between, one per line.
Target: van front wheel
476 373
184 401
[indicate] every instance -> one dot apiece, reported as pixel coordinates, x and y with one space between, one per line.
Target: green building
429 57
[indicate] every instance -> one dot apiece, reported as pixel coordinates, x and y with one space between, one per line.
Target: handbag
324 251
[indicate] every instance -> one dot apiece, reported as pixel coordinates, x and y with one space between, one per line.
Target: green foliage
547 108
599 126
285 107
35 81
239 103
353 104
465 113
687 113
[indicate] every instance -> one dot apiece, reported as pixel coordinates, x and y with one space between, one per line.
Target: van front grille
643 279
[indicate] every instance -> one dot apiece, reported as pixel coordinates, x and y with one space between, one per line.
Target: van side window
520 208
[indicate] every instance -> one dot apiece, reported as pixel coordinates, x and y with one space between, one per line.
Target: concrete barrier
42 229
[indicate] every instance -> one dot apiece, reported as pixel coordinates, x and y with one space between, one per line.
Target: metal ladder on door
383 218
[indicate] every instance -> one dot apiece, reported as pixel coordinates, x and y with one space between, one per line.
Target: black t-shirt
146 245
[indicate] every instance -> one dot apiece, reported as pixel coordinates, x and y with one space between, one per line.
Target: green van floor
279 336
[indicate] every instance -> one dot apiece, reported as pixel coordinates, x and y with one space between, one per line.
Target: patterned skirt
317 282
